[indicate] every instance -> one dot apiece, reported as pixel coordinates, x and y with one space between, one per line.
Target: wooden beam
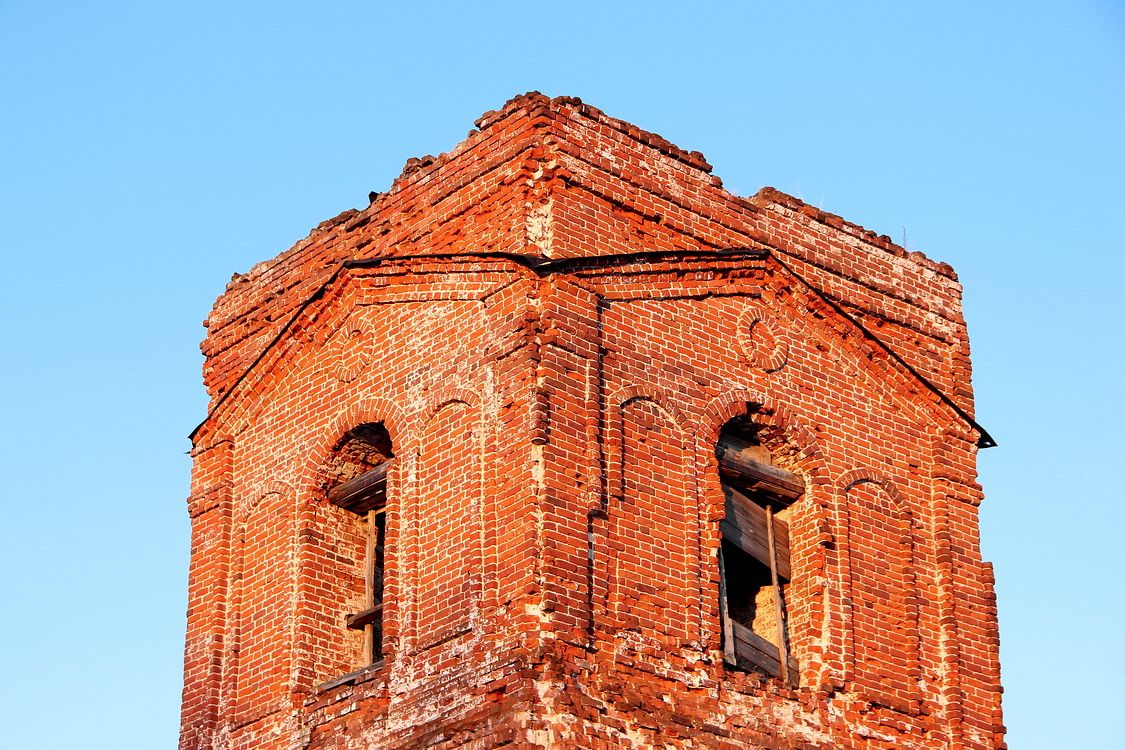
745 527
729 653
738 464
369 654
361 620
364 493
782 647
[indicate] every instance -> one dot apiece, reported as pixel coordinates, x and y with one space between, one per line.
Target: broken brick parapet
642 192
768 195
478 189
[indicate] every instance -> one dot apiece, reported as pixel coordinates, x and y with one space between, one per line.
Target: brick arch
782 428
882 644
244 508
622 395
851 478
371 410
768 412
445 395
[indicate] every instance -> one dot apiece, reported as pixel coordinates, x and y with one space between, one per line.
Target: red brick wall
884 595
332 545
554 321
449 488
653 531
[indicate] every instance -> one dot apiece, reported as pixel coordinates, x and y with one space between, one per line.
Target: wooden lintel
364 493
737 463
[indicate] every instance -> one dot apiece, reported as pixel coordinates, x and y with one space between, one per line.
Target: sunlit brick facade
541 337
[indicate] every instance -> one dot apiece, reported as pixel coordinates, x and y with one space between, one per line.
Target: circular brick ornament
763 341
353 348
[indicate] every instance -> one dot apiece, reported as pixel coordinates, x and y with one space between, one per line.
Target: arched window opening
754 557
356 482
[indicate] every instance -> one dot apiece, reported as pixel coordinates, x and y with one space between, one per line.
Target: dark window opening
754 556
358 483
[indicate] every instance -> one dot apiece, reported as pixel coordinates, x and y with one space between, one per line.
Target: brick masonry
553 321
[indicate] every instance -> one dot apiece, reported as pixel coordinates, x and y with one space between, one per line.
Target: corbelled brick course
553 322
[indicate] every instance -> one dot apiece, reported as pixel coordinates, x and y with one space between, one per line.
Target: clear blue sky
149 150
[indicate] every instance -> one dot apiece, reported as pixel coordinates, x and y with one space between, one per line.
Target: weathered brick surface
553 322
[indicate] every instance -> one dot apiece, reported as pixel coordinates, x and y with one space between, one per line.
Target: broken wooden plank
364 493
745 512
751 647
360 620
756 651
745 527
745 542
737 463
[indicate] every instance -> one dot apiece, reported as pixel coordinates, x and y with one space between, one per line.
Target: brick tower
559 444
